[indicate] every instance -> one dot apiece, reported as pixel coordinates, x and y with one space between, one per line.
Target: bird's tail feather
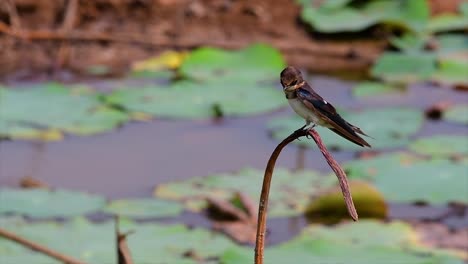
354 138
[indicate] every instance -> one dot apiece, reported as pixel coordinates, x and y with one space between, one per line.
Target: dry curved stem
263 204
34 246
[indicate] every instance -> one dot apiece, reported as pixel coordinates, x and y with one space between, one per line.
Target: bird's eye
294 82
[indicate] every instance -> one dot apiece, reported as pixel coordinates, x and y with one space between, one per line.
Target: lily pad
214 83
289 193
91 243
174 243
253 64
452 72
144 208
450 43
186 99
41 203
368 89
331 17
441 145
457 114
95 243
364 242
435 182
404 68
379 124
449 22
369 168
403 178
26 113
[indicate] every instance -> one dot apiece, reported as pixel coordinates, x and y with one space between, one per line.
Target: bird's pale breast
304 112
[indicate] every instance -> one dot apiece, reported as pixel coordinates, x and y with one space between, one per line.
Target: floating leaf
409 42
166 60
452 72
252 64
174 243
141 208
450 43
435 182
403 178
397 67
217 83
41 112
41 203
331 17
185 99
289 195
364 242
441 145
369 168
91 243
447 22
379 124
366 89
457 113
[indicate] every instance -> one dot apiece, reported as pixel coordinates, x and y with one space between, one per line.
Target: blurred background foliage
163 112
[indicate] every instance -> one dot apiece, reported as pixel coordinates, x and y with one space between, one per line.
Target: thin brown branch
34 246
263 204
339 172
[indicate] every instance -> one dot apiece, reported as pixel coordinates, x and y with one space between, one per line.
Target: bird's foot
308 136
301 129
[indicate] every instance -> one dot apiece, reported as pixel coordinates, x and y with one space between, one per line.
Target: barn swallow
314 109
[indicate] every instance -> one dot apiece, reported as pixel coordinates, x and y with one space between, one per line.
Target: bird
316 110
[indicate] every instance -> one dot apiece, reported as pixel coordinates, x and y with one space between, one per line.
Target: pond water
130 161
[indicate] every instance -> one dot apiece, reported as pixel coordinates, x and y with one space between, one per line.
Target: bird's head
291 79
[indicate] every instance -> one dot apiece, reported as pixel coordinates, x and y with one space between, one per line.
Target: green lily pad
40 203
185 99
253 64
217 83
449 43
364 242
441 145
389 128
368 169
95 243
457 114
448 22
91 243
174 243
28 112
143 208
289 193
410 42
435 182
403 178
367 89
452 72
331 17
398 67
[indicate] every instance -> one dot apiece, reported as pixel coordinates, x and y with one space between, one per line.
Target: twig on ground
263 204
42 249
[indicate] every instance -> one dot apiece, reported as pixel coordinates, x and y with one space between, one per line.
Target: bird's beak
293 87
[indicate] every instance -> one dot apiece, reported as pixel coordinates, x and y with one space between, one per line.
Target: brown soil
43 36
46 35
